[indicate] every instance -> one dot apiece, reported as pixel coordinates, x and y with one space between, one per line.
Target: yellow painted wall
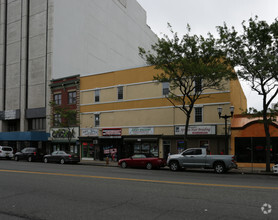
238 98
136 75
133 109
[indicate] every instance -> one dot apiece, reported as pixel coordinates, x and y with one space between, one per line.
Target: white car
6 152
275 169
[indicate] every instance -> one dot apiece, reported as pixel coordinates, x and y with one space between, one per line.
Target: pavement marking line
142 180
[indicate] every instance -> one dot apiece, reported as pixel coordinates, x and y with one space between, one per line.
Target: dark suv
30 154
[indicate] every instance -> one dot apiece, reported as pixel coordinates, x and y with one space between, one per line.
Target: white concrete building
42 40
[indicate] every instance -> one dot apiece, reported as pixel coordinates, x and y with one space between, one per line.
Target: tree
64 118
255 54
191 65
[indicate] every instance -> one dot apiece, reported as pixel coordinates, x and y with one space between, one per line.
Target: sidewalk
240 170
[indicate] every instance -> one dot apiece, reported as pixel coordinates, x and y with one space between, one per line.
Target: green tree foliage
254 53
64 117
185 61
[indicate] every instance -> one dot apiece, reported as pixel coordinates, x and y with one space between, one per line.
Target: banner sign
196 130
64 133
92 132
112 132
141 131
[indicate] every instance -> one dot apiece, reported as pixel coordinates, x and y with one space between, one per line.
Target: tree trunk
185 137
267 135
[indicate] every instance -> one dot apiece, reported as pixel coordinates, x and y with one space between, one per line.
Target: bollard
107 160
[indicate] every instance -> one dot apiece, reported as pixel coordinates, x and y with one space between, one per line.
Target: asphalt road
38 191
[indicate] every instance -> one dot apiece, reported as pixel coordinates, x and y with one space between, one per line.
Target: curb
235 171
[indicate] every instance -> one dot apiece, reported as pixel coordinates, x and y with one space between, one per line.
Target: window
58 99
120 92
165 88
96 120
198 85
97 95
192 152
72 97
57 120
36 124
198 114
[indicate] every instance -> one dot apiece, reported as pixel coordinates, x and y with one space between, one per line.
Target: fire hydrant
107 160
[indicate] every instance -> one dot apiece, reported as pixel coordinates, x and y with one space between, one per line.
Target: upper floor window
165 88
58 99
57 120
97 95
72 97
36 124
198 85
120 92
198 114
96 120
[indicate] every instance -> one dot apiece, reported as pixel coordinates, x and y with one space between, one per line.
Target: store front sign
141 131
196 130
64 133
112 132
92 132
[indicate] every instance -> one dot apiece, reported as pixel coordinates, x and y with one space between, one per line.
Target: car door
198 159
138 160
193 158
55 156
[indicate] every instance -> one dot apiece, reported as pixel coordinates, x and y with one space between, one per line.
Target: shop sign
108 150
112 132
141 131
64 133
89 132
8 115
196 130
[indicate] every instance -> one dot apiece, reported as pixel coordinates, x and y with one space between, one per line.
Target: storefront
249 143
100 147
20 140
65 139
204 136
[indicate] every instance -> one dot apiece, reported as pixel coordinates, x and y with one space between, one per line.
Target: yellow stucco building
126 112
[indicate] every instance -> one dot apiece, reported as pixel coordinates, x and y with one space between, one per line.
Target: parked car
198 158
6 152
30 154
142 161
61 157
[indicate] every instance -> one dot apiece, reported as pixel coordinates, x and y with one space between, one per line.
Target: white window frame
165 88
120 90
97 95
198 115
97 120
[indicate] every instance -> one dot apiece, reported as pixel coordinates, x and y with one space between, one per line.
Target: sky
203 16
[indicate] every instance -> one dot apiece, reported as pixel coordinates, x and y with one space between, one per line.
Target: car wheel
149 166
62 161
29 159
174 165
45 160
16 158
219 168
124 165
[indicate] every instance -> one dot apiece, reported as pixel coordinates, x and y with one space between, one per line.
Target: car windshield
7 149
138 156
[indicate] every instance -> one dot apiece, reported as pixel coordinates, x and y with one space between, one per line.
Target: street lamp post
219 109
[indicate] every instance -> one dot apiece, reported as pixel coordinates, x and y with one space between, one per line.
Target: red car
142 161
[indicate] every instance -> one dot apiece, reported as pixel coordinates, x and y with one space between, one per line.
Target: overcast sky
204 15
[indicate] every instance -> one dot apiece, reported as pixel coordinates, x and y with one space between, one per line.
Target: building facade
126 112
64 132
248 141
41 40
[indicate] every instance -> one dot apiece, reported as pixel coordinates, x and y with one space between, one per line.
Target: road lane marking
141 180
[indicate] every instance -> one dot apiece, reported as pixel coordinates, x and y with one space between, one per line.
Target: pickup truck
198 158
